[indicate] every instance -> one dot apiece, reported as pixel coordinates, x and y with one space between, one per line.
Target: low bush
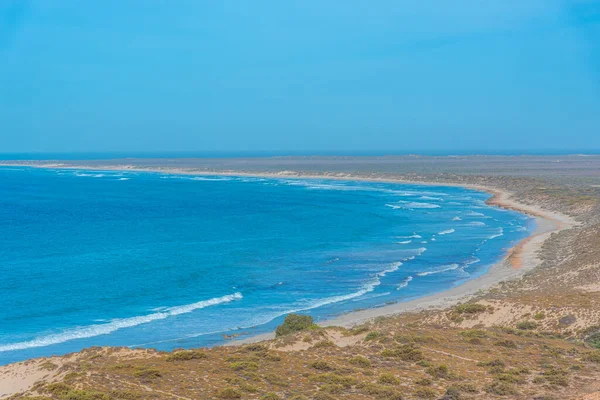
388 379
539 316
526 325
506 343
372 336
294 323
360 361
407 352
185 355
593 356
501 388
229 394
440 371
147 373
321 366
425 393
243 366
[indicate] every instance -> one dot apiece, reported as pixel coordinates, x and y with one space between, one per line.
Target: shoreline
519 259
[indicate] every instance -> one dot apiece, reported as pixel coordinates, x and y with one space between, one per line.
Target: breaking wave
116 324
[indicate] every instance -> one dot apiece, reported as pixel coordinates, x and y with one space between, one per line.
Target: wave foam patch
413 236
210 178
416 204
83 174
476 223
116 324
404 283
405 242
431 198
446 232
499 233
449 267
419 251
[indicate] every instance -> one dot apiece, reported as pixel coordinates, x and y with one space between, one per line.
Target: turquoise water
168 261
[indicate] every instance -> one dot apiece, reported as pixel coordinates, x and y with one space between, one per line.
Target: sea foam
116 324
449 267
446 232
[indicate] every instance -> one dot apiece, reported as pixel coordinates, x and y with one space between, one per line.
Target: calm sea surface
167 261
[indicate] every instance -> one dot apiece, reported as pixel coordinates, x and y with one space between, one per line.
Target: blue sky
278 76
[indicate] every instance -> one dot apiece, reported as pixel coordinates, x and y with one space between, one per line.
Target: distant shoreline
520 258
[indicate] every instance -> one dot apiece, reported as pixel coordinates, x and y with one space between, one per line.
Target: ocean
143 259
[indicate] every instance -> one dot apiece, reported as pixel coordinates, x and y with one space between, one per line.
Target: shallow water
148 259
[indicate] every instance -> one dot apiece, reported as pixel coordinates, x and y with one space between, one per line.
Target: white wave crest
421 250
405 242
446 232
404 282
500 233
457 219
89 175
476 223
413 236
450 267
415 204
474 214
210 179
116 324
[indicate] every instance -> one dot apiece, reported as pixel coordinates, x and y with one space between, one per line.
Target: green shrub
294 323
185 355
65 392
407 352
57 388
473 334
452 393
48 366
465 387
321 366
229 394
593 356
424 382
506 343
539 316
357 330
526 325
126 395
388 379
594 340
147 373
360 361
332 388
381 392
323 343
493 363
372 336
441 371
345 381
425 393
84 395
243 366
501 389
